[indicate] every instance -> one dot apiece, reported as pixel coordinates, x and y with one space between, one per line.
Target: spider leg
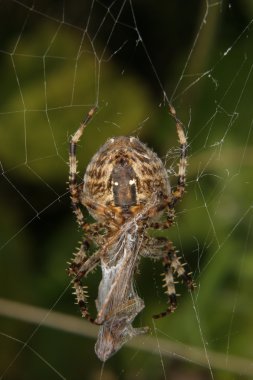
75 192
171 291
171 262
80 259
153 247
157 248
162 205
172 265
178 192
74 271
162 225
178 268
73 186
81 299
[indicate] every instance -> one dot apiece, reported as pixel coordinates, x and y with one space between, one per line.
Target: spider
126 190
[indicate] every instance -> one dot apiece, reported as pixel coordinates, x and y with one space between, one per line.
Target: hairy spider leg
81 265
73 186
75 270
170 261
178 192
172 265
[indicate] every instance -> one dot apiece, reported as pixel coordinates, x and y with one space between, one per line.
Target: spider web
57 60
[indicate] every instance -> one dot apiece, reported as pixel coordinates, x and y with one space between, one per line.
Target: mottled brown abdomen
125 173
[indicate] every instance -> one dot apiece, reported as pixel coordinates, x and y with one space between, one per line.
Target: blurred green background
57 59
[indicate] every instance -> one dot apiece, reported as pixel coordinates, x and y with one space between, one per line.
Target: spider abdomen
125 173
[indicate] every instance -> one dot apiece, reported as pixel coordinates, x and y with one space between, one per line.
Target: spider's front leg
178 192
74 188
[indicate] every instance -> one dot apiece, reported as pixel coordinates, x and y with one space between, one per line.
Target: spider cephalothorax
126 189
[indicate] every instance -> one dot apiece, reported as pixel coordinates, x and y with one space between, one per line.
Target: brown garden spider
127 191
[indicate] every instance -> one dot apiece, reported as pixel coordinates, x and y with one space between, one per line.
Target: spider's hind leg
79 290
178 268
79 258
172 265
